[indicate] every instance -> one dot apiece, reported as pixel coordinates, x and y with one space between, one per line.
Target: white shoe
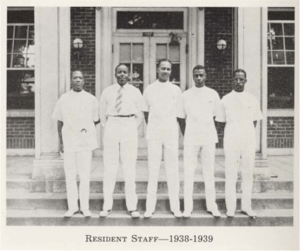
177 214
215 213
230 214
134 214
187 214
86 213
249 212
147 215
104 214
70 213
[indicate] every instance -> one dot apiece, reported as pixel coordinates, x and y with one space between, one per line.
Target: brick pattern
20 133
83 26
280 132
219 64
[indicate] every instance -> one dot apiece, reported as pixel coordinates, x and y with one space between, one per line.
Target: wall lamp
221 45
78 44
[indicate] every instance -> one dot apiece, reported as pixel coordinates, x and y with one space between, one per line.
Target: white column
251 50
52 80
201 36
192 53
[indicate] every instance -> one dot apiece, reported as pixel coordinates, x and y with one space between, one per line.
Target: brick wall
20 133
83 26
219 64
280 133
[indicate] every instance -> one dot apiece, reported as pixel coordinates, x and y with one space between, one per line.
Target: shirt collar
200 89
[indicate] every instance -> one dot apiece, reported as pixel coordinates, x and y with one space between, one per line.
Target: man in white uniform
163 101
121 115
240 111
200 104
77 114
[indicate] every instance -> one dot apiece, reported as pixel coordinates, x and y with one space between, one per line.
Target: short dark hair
199 67
163 60
239 70
120 65
78 71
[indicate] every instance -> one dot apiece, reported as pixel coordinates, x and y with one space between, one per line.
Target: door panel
141 54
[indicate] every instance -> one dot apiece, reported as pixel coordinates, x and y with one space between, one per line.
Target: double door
141 55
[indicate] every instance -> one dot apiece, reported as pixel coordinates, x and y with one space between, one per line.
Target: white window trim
20 113
281 112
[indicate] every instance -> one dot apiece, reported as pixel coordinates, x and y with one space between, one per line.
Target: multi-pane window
20 58
281 57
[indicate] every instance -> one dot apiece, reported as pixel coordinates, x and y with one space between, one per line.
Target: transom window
281 57
156 20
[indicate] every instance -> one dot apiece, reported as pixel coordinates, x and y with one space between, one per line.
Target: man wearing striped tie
121 115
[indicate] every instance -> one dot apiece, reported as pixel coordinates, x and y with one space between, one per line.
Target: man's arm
181 125
59 129
146 115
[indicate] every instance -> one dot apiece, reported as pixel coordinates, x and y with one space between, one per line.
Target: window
20 58
150 20
281 57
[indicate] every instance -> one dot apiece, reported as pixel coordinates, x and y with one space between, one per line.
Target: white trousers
171 165
233 160
207 155
120 139
78 162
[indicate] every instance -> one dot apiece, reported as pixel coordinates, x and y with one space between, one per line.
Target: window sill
281 113
20 113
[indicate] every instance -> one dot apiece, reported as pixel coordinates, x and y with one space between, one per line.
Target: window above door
150 19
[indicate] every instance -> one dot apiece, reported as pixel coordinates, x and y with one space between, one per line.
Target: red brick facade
20 133
83 26
280 132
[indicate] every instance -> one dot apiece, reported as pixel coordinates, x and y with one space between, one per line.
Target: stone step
56 201
59 186
120 218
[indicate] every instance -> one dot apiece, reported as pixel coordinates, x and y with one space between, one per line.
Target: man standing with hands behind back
163 101
77 115
200 104
240 111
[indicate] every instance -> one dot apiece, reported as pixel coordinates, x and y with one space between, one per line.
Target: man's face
77 81
239 81
164 71
122 75
199 76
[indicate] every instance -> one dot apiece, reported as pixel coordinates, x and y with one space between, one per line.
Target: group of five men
122 110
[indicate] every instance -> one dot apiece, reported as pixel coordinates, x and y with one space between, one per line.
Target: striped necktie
118 105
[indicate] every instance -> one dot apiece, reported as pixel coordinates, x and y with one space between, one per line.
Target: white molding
281 113
20 152
240 38
280 151
98 66
201 37
264 79
20 113
38 79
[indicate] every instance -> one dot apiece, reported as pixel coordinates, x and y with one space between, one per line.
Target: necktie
118 105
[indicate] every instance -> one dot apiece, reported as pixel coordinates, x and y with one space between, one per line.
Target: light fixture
78 44
221 45
174 39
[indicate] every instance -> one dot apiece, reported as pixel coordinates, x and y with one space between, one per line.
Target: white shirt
239 111
132 102
163 102
78 111
199 108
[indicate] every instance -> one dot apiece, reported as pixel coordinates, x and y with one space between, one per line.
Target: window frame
19 112
279 112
